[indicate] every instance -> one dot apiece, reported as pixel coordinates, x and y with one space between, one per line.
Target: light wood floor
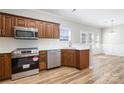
106 70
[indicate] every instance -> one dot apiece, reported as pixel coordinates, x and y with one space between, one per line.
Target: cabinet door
1 67
82 59
49 30
64 58
32 23
7 25
19 21
69 58
41 29
43 60
0 25
56 32
7 66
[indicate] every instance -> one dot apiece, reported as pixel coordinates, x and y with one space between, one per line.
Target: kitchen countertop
73 48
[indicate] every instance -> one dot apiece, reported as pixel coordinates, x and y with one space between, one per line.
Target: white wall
43 43
114 44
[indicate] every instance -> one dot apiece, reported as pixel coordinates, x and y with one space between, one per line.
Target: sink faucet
70 44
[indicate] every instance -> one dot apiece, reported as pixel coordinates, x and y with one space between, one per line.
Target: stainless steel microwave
25 33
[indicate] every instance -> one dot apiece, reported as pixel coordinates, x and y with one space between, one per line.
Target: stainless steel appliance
25 62
53 58
25 33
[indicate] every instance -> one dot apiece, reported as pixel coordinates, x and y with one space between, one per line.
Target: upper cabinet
52 30
31 23
20 21
0 25
45 29
6 25
49 30
56 32
41 29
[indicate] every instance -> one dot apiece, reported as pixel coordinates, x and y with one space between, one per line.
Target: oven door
25 64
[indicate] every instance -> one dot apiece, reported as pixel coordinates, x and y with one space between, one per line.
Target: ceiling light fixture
73 10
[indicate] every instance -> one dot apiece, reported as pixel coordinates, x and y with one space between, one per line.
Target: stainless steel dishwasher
53 58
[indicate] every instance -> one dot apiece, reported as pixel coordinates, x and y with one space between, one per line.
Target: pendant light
112 28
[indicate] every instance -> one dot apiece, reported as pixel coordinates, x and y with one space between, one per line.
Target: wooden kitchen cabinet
45 29
41 29
75 58
1 67
31 23
7 25
20 21
56 32
42 60
49 30
0 25
5 66
68 57
82 59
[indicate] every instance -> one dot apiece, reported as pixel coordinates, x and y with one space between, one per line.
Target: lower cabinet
82 57
5 66
43 60
75 58
68 58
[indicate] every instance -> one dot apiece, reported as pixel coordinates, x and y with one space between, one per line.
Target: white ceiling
96 17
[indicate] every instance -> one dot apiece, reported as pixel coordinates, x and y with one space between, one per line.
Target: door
32 23
24 64
49 30
41 29
56 32
19 21
0 25
7 25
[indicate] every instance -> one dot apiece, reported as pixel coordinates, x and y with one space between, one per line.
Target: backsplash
10 44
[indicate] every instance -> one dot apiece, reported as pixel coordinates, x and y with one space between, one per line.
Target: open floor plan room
62 46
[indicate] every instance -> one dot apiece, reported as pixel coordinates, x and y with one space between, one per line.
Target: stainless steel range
25 62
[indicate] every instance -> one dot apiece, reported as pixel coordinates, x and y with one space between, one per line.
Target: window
90 38
65 34
87 38
83 38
